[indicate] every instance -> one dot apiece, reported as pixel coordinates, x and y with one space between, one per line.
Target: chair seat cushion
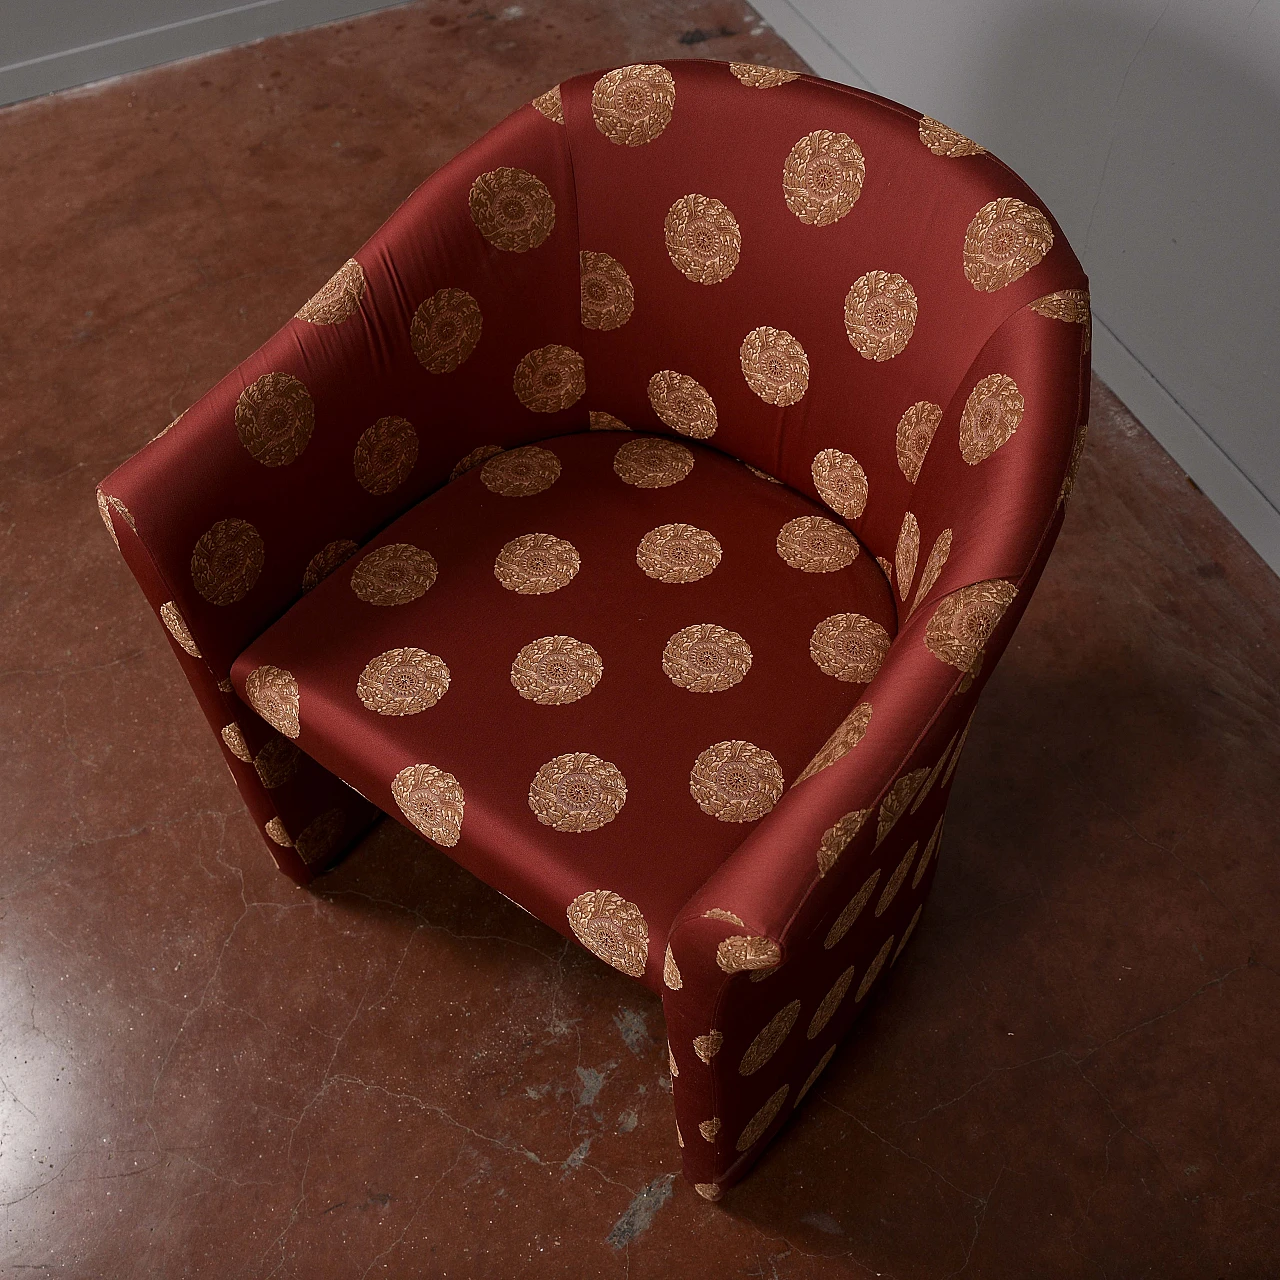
585 665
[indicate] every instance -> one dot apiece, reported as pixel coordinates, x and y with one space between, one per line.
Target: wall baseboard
221 29
1175 430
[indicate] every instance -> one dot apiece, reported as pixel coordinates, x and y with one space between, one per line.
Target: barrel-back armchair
638 515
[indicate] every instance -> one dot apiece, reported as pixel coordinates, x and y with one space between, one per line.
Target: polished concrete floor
207 1072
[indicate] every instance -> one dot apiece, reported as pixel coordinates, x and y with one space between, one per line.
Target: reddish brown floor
206 1072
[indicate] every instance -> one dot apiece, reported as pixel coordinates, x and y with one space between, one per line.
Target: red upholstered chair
638 515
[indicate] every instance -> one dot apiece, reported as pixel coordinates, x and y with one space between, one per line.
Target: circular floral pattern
178 629
556 670
550 378
274 418
774 365
762 1119
836 838
770 1039
319 839
706 1047
963 622
736 781
611 928
907 553
916 430
757 77
705 658
432 800
273 693
233 736
600 421
880 313
520 473
841 482
632 105
851 730
671 973
445 329
929 850
830 1003
402 682
1073 464
226 561
991 415
897 800
683 404
895 881
746 954
512 209
275 829
849 647
874 971
703 239
944 141
385 455
577 792
816 544
933 566
339 298
330 557
474 459
1068 305
852 910
678 553
550 105
108 504
650 463
822 177
1003 242
394 574
277 762
607 295
536 564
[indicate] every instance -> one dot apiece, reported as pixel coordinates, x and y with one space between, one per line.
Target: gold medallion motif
849 647
963 622
736 781
841 482
758 77
633 105
512 209
320 838
1070 306
707 1190
774 365
479 454
719 913
275 829
273 693
550 105
814 1074
607 295
910 929
432 800
916 430
874 971
880 312
815 544
744 954
991 415
929 850
385 455
650 463
830 1003
706 1047
556 670
851 730
277 762
895 880
923 793
898 800
403 682
705 658
330 557
108 504
678 553
1073 466
836 838
611 928
853 909
226 561
933 567
671 1061
549 379
339 298
1004 241
683 404
945 141
955 756
601 421
822 177
274 418
762 1119
770 1039
709 1128
703 238
233 736
445 329
394 574
671 972
907 554
577 792
536 564
520 473
178 629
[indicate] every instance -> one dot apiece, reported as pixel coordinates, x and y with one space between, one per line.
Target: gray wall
54 44
1151 128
